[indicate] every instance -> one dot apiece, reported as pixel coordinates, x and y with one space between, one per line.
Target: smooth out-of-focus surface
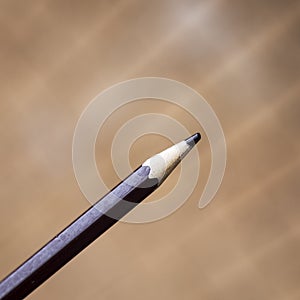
242 56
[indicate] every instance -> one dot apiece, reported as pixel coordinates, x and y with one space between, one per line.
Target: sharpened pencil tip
194 139
163 163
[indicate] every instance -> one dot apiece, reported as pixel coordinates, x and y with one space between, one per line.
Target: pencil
94 222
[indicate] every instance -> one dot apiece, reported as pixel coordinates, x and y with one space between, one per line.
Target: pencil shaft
78 235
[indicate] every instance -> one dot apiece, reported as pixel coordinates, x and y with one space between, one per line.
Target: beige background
242 56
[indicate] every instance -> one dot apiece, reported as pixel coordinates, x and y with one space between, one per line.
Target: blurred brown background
242 56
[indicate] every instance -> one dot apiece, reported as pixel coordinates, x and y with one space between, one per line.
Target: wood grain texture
242 56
